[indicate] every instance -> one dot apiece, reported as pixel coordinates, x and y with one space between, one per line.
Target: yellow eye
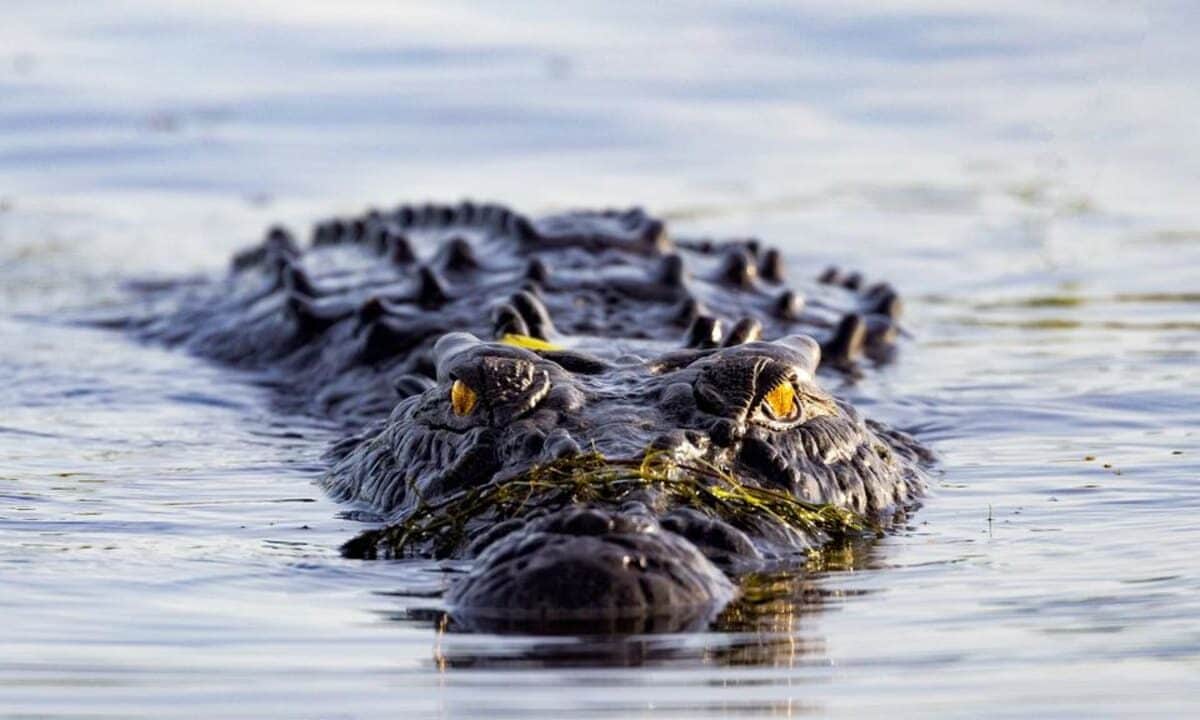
782 400
462 398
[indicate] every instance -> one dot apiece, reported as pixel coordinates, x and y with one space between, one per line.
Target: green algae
590 478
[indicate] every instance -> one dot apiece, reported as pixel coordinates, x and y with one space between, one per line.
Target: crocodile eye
780 402
462 398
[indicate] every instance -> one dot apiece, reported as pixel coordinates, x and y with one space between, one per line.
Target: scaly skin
602 335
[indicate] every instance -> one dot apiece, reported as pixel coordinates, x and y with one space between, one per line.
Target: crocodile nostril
587 522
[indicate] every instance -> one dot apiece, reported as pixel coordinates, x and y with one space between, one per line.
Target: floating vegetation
443 526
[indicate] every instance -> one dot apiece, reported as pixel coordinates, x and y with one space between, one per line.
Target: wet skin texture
465 345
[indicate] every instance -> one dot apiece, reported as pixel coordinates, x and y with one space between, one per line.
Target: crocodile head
618 477
751 415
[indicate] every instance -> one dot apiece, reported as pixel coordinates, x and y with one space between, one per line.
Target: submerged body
610 422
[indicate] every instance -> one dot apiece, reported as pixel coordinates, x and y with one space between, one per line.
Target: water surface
1026 174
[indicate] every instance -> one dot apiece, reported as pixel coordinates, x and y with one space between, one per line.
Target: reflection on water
1024 172
758 628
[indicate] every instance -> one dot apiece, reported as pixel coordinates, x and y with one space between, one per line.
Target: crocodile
605 420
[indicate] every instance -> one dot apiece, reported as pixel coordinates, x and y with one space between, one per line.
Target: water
1026 173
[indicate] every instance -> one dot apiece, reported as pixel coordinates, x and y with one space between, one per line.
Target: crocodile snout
586 563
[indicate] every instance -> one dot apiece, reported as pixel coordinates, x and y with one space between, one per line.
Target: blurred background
1025 172
193 120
